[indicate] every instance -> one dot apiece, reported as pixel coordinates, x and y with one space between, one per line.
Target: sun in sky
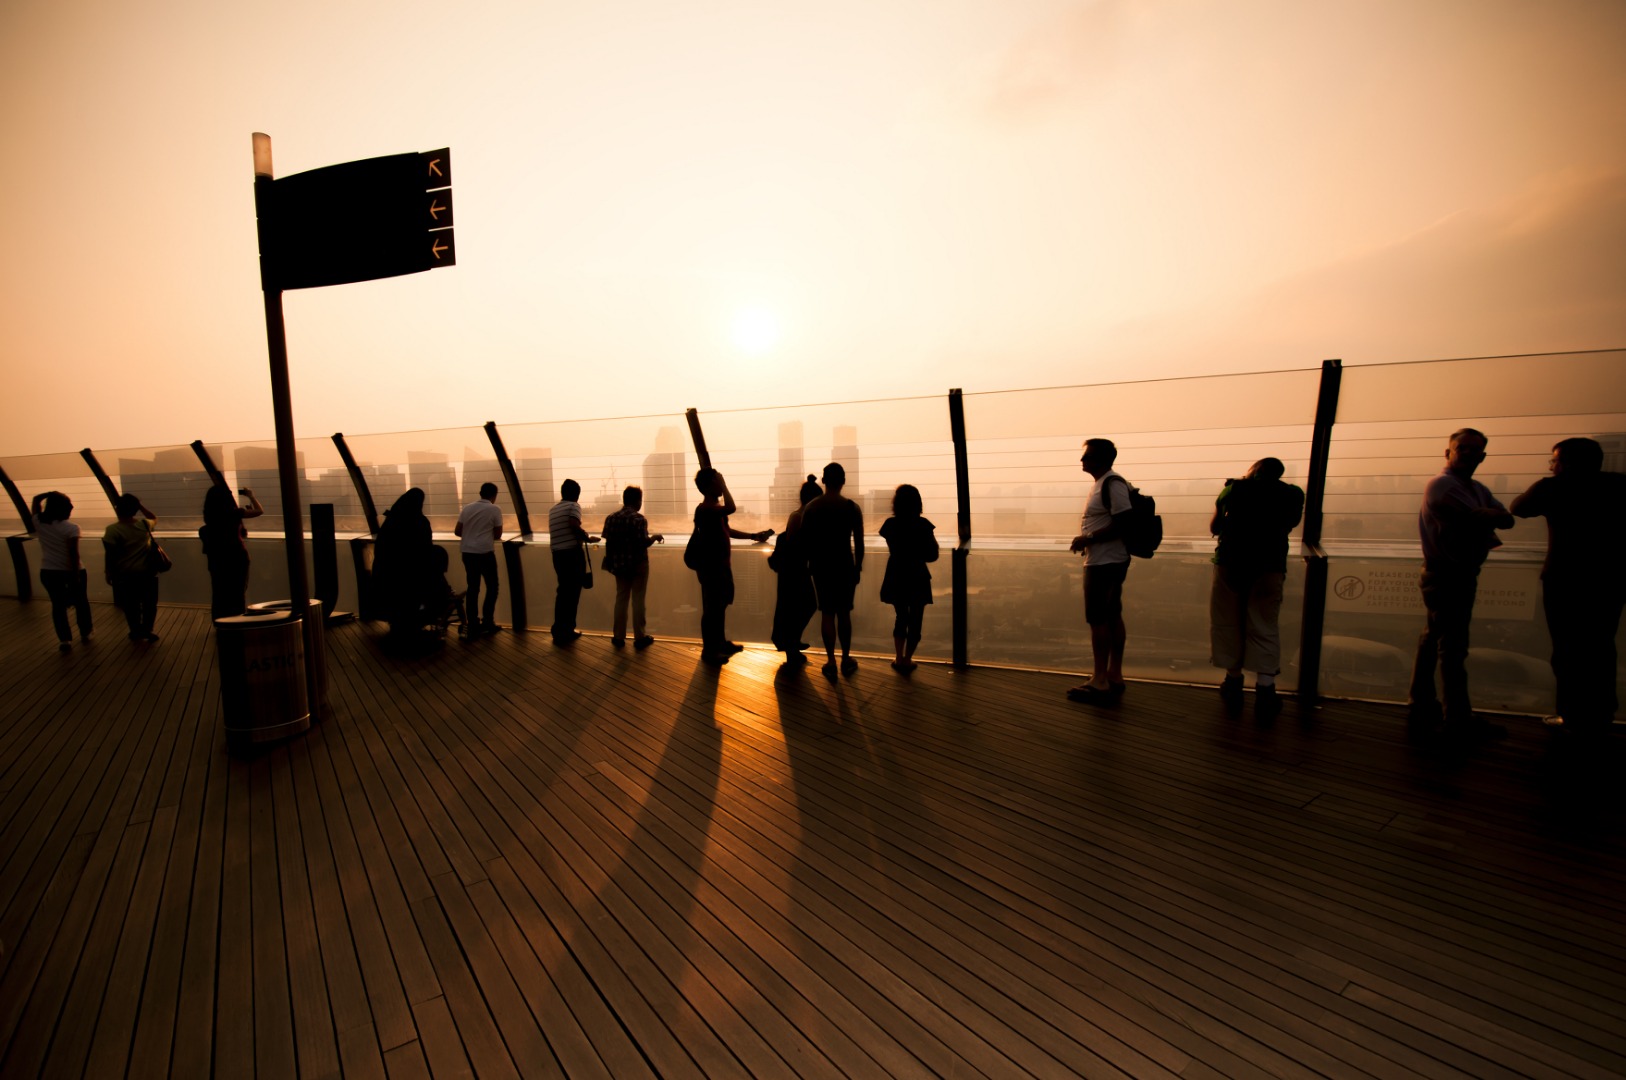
755 331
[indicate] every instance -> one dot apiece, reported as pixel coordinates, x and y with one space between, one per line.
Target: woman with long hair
911 543
225 546
794 599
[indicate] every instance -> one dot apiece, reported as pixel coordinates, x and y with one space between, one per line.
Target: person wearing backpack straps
1252 517
1106 565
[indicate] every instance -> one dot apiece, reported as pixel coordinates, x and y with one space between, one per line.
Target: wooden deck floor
510 859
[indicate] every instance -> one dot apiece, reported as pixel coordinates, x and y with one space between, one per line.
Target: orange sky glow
726 203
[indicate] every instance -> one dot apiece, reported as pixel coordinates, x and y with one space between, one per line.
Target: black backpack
1141 529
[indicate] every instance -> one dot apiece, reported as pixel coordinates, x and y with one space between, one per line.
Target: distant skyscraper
433 473
535 471
171 484
256 467
784 495
844 450
477 470
385 483
666 480
334 486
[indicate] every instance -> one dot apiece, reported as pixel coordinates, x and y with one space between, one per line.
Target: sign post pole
282 409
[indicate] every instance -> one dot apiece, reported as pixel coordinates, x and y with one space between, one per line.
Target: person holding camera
225 546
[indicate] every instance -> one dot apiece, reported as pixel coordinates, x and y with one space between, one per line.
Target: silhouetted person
128 544
225 549
1252 518
1106 565
794 601
627 540
1583 582
833 535
911 543
1457 525
478 528
405 577
712 563
62 571
567 540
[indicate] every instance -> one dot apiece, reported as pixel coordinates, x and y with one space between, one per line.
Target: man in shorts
1106 564
833 537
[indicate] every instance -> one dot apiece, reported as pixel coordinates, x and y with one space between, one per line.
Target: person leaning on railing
627 540
128 543
1457 527
1252 518
1583 582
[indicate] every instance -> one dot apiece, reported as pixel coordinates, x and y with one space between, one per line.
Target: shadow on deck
521 860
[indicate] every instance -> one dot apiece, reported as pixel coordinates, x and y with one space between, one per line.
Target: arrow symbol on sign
434 167
435 209
437 248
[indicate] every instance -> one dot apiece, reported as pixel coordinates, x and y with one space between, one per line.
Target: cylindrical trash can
262 676
315 650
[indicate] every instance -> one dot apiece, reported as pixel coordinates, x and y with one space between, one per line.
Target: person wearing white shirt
1106 564
478 528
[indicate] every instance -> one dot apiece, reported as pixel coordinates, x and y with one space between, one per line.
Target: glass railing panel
1549 384
35 474
1178 440
1394 421
766 455
322 478
169 480
1027 610
604 457
1375 615
448 464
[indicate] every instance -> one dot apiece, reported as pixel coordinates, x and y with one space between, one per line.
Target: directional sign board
376 218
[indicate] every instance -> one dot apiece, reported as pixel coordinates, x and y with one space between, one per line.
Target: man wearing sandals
1106 564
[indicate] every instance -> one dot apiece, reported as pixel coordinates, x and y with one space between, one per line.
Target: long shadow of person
666 817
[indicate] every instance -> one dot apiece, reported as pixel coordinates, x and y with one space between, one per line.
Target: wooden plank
476 1028
231 979
114 1021
386 997
521 1031
315 1045
440 1045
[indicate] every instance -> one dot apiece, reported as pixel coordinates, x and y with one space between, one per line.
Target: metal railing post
518 614
962 549
1314 615
361 547
19 553
216 477
101 476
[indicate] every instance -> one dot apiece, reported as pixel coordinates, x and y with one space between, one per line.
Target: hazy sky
724 203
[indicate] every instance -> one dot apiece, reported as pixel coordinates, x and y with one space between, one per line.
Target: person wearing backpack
1252 518
1106 565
